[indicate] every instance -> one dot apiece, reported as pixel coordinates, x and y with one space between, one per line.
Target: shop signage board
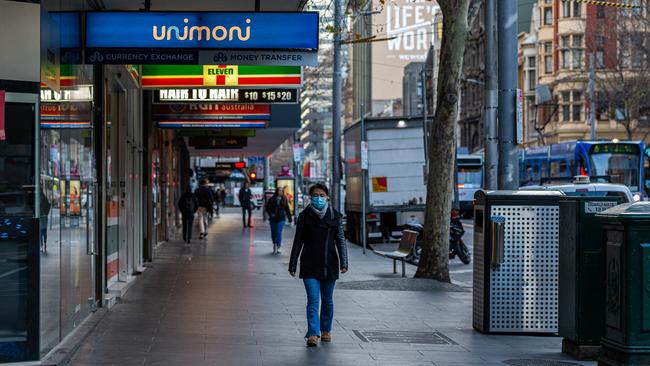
203 95
69 115
183 76
189 38
218 142
212 115
259 57
225 132
202 30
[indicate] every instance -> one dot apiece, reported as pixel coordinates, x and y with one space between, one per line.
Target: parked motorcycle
457 246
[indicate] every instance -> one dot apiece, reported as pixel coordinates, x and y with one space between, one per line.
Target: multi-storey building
412 102
568 37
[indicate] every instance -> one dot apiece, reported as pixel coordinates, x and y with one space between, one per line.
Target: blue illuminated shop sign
202 30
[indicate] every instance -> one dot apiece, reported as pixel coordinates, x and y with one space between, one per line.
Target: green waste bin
626 339
581 275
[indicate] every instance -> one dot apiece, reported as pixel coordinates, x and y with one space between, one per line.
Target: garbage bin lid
632 209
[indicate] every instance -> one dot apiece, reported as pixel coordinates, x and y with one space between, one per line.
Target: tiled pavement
229 301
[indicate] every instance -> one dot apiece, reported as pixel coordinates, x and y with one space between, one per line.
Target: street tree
458 17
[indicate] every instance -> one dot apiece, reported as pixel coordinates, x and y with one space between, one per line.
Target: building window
600 59
577 106
566 106
571 106
577 9
566 9
576 52
547 49
531 74
565 52
571 52
548 15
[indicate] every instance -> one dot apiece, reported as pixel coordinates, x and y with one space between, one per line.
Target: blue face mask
318 202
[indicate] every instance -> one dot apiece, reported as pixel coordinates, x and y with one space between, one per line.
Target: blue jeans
276 232
317 289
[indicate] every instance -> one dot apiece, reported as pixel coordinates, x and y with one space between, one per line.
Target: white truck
395 187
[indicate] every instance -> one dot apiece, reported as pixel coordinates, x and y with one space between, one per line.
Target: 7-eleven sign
220 75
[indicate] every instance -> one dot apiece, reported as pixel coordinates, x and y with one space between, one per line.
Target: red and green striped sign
171 76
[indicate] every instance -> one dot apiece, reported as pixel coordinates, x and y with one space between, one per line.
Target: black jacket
182 207
204 195
245 196
278 210
321 245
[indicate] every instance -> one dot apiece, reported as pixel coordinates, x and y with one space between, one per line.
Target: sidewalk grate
385 336
537 362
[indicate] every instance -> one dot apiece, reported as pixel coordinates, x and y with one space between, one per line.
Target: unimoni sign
169 76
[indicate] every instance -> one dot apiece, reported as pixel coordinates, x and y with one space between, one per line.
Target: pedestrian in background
320 244
245 196
204 196
188 204
44 220
278 210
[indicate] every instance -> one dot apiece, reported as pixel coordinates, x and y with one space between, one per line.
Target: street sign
211 115
364 154
258 57
297 153
218 142
226 132
186 76
201 95
201 30
520 117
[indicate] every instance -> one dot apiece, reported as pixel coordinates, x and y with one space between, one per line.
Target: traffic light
240 165
252 176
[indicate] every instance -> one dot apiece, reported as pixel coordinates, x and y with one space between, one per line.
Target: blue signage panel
202 30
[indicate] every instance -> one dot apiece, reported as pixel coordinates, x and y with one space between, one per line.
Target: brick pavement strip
229 301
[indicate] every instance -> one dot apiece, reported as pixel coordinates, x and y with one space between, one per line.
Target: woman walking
320 244
278 210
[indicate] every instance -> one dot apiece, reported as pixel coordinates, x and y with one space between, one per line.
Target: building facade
572 38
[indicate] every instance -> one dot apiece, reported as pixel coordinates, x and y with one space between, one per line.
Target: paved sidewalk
230 301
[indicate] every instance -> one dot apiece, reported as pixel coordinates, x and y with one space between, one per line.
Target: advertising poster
62 199
410 27
75 198
379 184
289 191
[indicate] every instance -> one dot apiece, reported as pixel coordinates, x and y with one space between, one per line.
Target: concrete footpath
228 300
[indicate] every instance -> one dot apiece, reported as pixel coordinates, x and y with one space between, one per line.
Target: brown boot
312 341
326 337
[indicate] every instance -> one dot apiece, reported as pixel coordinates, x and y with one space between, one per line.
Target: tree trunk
434 260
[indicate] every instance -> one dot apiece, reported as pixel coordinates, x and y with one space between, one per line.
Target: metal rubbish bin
626 230
581 274
516 244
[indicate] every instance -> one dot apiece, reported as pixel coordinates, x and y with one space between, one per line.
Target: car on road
582 186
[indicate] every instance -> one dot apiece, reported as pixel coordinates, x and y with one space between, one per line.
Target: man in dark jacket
278 210
320 244
187 205
245 196
204 196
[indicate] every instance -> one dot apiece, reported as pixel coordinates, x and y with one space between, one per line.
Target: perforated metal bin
516 246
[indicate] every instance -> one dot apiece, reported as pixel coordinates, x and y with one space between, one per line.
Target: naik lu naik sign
185 30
